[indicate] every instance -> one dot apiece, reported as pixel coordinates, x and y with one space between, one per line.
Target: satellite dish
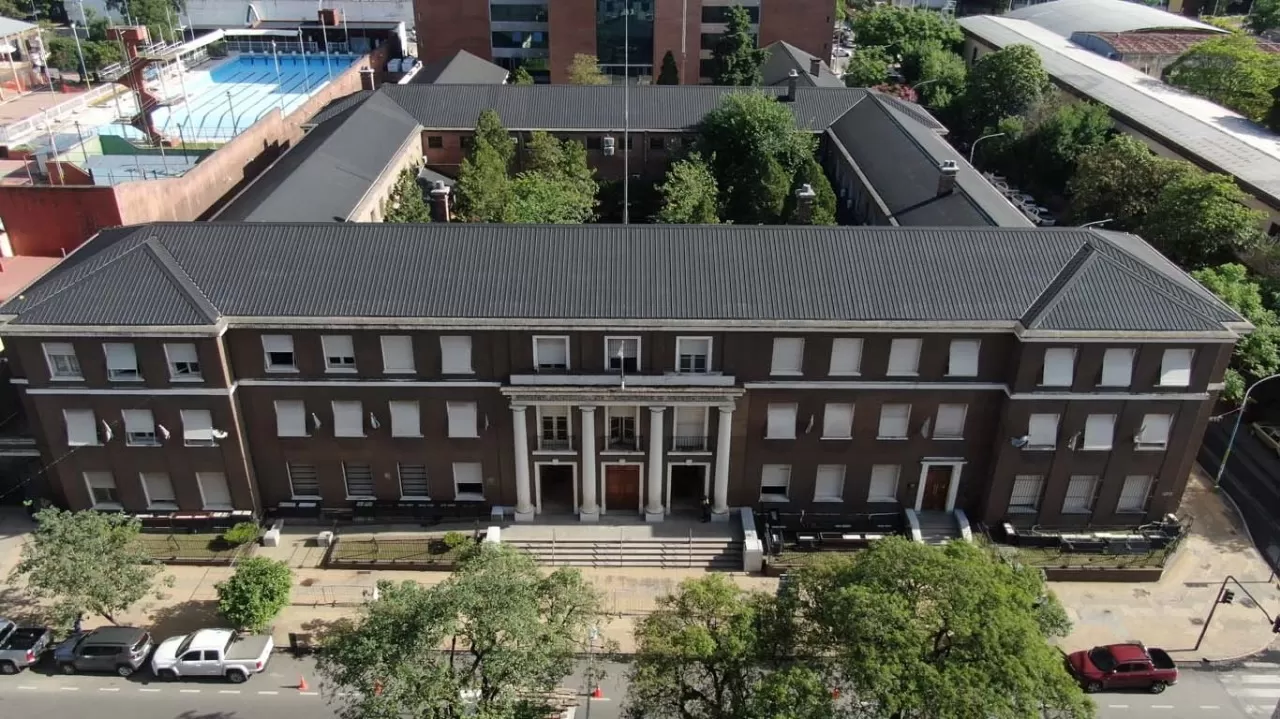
1020 442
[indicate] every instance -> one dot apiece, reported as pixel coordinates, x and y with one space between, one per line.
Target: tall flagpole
626 114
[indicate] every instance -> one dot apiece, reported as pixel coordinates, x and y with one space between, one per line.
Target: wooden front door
622 487
937 481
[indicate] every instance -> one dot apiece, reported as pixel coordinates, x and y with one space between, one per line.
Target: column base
721 516
589 517
526 516
654 517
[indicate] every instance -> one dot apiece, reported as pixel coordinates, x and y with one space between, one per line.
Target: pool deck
16 109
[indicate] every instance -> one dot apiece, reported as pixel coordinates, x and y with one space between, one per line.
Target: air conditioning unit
609 146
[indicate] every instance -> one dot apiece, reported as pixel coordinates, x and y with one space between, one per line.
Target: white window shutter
462 419
214 490
837 421
397 354
963 359
1154 430
1059 367
291 420
405 419
950 421
884 483
894 420
138 421
82 427
788 355
348 419
904 356
1117 367
1042 430
782 422
1099 431
829 483
1175 367
197 426
455 354
277 343
846 356
1133 495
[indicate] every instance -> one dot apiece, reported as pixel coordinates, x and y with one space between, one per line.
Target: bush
256 593
455 540
242 533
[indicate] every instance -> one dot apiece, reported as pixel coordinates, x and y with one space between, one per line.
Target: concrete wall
372 207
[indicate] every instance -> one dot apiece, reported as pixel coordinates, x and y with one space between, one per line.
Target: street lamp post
1222 466
973 148
1095 223
84 71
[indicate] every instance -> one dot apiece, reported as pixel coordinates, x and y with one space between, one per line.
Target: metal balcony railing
689 444
555 444
622 443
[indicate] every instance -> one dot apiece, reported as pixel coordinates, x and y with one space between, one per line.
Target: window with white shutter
693 354
468 481
1099 431
62 360
159 491
1042 431
1081 492
348 419
1175 368
304 483
214 493
690 433
551 354
122 362
1134 495
1153 433
846 357
139 428
1117 367
183 361
82 427
397 354
278 350
828 483
455 355
949 424
102 490
837 421
359 479
1027 490
904 357
775 482
197 428
963 359
894 419
884 483
291 418
406 419
413 481
462 420
339 353
788 356
1059 367
782 422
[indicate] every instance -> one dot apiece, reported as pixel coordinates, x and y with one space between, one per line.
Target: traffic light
1227 596
1275 626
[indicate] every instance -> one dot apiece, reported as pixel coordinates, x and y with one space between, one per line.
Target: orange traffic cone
597 693
302 683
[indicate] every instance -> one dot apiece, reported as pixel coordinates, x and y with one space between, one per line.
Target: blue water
223 102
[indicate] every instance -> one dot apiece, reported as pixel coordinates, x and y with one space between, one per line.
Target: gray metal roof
461 68
783 57
1065 17
10 26
1060 279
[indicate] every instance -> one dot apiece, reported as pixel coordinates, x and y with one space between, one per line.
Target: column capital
656 409
725 408
587 408
519 408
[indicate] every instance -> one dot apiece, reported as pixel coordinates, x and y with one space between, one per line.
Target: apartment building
1055 377
544 36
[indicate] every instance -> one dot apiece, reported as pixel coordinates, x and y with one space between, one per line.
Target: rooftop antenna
626 116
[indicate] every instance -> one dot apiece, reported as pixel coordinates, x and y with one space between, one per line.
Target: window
1175 368
781 422
82 427
554 433
139 428
1135 495
1117 367
884 483
693 354
214 493
690 431
466 141
462 420
397 354
846 357
184 362
348 419
1027 490
339 353
359 479
122 362
102 490
291 418
303 481
1154 431
788 356
904 357
197 428
1080 494
1042 431
775 480
828 485
1099 431
593 143
159 491
622 353
551 353
622 423
406 419
279 353
893 421
963 359
455 355
1059 367
63 363
837 421
435 142
949 424
413 481
468 481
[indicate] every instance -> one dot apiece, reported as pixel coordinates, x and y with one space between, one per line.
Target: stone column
520 432
590 510
653 511
720 487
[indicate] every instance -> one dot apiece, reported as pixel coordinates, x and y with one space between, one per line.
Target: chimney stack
947 177
440 210
815 67
793 79
805 197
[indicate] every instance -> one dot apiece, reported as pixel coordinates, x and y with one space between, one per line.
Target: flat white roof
1066 17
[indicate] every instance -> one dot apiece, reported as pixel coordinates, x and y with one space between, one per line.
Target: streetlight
1095 222
974 146
84 71
1222 466
922 83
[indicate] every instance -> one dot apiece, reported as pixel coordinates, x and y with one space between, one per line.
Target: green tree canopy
938 72
736 58
1004 83
689 194
669 74
896 29
1257 354
521 76
823 209
483 185
1272 120
256 593
406 203
1120 181
1264 15
491 133
160 16
868 67
1200 219
1055 143
1230 70
585 70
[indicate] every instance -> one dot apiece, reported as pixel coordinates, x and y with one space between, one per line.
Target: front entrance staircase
665 552
939 527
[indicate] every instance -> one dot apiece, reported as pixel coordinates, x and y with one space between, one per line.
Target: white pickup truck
212 653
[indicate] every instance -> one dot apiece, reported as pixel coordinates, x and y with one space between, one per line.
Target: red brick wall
804 23
667 24
447 26
46 221
573 31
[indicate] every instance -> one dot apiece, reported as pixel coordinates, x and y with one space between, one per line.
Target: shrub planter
432 555
1103 574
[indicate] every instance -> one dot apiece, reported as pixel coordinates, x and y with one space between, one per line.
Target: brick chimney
815 67
793 79
947 177
440 209
805 197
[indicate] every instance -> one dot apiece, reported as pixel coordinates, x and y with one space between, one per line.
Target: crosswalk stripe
1255 679
1257 693
1261 665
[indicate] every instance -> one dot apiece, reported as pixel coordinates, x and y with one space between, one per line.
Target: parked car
122 650
20 647
212 653
1123 666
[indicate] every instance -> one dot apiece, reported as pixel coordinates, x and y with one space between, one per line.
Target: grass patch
1050 558
395 551
804 559
189 547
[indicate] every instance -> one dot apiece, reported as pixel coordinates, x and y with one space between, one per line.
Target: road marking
144 689
1210 706
188 691
70 689
108 689
1117 706
310 694
600 699
272 693
1161 706
1261 665
27 687
1258 693
1258 679
229 691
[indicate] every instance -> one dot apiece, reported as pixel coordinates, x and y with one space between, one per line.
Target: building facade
1060 379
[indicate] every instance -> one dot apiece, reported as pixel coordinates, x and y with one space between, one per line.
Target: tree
823 209
689 194
1272 120
896 29
736 58
1257 354
868 67
521 76
1004 83
406 204
1264 15
256 593
1200 219
491 133
1230 70
1120 181
512 634
483 185
160 16
558 186
941 71
86 563
63 54
585 70
939 631
841 12
670 73
1055 142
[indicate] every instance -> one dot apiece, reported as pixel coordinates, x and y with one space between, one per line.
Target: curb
1206 661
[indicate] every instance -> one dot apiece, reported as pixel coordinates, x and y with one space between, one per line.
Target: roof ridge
90 273
181 278
1052 293
1098 234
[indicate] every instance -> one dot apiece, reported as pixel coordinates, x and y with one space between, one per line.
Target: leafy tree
160 16
1257 354
736 58
823 211
1120 181
1200 219
561 168
483 185
521 76
868 67
1004 83
491 133
535 200
940 631
256 593
406 204
1055 143
896 29
1230 70
585 70
941 71
841 12
512 633
1264 15
49 11
1272 120
689 194
669 74
86 563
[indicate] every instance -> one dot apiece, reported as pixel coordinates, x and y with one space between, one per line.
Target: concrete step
712 554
